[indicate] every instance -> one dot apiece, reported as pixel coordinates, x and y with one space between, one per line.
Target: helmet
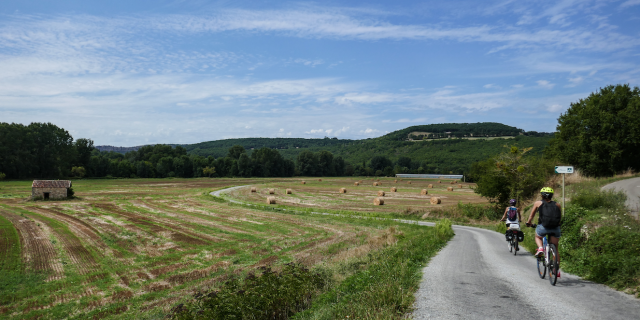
546 193
512 202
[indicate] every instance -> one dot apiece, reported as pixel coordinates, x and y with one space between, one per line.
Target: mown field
135 248
325 194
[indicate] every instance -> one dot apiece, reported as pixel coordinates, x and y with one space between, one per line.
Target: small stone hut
50 189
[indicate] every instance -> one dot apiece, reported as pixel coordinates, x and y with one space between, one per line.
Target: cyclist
548 221
511 215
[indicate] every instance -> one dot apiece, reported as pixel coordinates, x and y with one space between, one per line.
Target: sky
128 73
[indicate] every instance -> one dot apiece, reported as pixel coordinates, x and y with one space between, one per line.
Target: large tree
600 135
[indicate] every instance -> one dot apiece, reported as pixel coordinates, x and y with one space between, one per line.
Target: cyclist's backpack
512 214
550 214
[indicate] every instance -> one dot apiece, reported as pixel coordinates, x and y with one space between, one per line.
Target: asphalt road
632 188
476 277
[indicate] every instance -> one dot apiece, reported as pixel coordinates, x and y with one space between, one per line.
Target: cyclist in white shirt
511 216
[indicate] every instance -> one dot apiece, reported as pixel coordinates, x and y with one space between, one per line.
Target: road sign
564 169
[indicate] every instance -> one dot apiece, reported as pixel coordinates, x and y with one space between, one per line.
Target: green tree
325 164
245 167
307 163
600 135
510 175
83 147
78 172
2 176
236 151
208 171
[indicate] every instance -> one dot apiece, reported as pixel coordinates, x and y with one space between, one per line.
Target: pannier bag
509 235
520 236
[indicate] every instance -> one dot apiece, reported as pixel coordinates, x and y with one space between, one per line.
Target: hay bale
320 180
376 183
424 192
272 191
460 186
394 189
288 191
271 200
449 188
380 193
395 181
430 186
343 190
304 182
253 189
378 201
453 182
409 182
356 183
439 181
435 200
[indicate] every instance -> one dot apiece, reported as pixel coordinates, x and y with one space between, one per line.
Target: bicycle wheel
553 264
510 245
542 268
515 247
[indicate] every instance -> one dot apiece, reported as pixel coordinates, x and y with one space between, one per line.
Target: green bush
268 295
478 212
443 229
594 199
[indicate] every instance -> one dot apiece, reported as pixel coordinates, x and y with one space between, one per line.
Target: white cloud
555 108
545 84
630 3
491 86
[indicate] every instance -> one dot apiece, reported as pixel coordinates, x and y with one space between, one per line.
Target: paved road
476 277
632 188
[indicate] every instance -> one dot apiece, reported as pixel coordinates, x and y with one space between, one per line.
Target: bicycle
549 261
513 238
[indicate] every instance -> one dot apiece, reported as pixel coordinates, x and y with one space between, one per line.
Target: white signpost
564 170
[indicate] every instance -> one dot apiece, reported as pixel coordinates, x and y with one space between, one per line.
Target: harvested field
132 248
323 195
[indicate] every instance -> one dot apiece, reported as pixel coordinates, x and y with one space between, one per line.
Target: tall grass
600 240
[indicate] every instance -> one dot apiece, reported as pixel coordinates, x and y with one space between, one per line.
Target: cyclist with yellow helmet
548 221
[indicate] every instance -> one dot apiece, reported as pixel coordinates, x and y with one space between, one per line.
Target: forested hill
219 148
458 130
452 147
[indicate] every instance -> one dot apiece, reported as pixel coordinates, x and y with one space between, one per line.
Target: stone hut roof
51 184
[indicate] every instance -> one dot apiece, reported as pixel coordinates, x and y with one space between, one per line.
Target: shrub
2 176
444 229
268 295
595 199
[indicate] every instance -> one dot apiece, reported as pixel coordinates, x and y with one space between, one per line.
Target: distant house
50 189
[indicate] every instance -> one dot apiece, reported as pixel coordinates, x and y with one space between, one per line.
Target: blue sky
129 73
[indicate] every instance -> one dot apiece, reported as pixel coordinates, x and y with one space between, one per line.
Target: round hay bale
435 200
395 181
394 189
380 193
320 180
430 186
439 181
453 182
271 200
376 183
378 201
288 191
424 192
272 191
343 190
409 182
460 186
304 182
356 183
253 189
449 188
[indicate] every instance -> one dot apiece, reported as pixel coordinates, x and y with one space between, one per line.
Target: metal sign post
564 170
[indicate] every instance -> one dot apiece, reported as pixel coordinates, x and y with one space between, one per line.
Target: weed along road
476 277
632 188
